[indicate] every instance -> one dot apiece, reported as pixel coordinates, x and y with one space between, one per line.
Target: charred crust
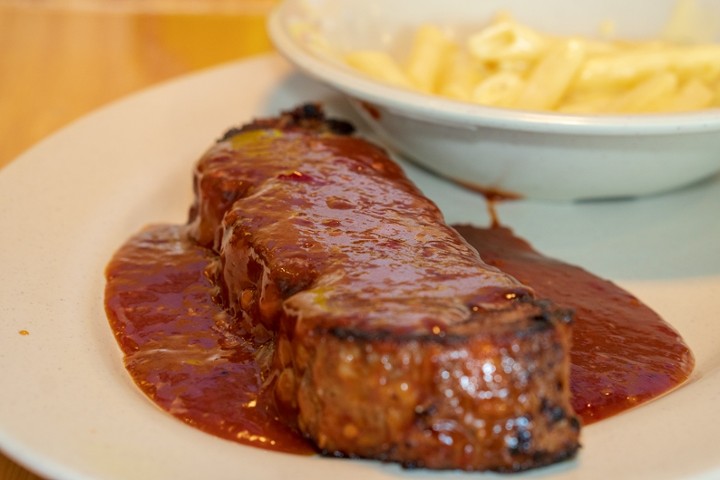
540 458
340 127
521 443
308 111
308 117
412 465
377 335
540 316
553 413
335 453
352 334
561 315
231 133
289 287
550 312
575 423
547 317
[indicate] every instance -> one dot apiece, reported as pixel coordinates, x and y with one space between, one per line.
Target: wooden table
60 59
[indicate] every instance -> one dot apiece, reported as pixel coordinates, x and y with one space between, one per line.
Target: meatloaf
385 334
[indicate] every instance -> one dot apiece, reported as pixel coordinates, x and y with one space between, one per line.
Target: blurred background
60 59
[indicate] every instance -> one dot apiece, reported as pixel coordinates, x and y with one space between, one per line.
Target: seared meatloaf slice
387 335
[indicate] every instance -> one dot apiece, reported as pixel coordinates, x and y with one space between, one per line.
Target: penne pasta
460 74
427 56
647 94
550 79
701 61
693 95
716 100
510 65
499 90
380 66
621 69
506 40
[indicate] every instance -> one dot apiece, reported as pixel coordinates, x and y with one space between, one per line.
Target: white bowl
531 154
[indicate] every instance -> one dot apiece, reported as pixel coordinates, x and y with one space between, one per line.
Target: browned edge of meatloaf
490 394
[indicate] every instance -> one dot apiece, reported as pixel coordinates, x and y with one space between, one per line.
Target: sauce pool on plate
181 349
178 341
623 353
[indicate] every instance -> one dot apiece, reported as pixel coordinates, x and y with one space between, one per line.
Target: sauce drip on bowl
181 351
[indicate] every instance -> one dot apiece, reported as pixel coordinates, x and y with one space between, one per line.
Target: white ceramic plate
68 410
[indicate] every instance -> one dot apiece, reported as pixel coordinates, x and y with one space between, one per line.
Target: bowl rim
469 116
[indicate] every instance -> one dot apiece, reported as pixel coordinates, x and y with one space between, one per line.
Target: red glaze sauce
623 353
177 341
180 351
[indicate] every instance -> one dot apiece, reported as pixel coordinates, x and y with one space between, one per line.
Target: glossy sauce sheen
177 341
623 353
180 351
391 338
336 219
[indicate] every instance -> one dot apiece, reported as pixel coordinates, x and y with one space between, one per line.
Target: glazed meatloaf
386 335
